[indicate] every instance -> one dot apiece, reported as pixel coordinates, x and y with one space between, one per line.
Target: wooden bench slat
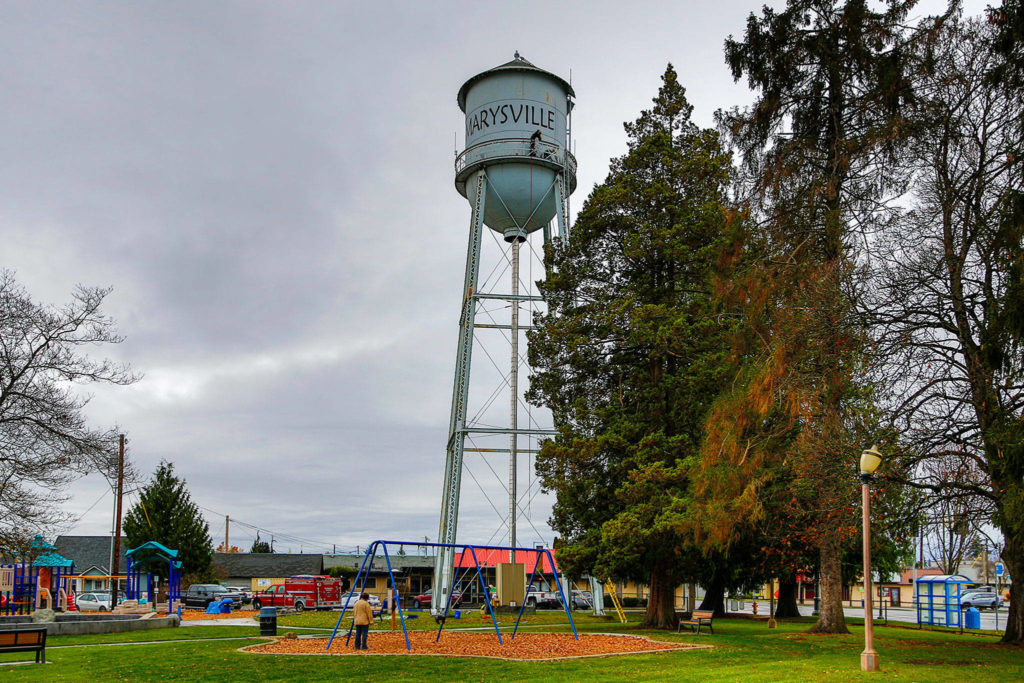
698 619
25 640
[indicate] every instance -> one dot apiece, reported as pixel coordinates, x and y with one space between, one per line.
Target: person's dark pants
361 633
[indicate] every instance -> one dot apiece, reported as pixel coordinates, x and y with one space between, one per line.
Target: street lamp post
869 462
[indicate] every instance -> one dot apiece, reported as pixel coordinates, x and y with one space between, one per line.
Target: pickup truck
202 594
535 597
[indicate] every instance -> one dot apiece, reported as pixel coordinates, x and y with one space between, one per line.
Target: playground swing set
371 553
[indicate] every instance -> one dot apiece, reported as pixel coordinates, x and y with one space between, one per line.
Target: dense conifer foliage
631 353
166 514
831 86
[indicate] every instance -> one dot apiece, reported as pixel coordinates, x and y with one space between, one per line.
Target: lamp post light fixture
869 462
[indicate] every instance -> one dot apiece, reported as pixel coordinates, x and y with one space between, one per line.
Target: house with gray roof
259 570
414 573
91 557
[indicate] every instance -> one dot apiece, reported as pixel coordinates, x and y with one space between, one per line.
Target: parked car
424 599
202 594
989 600
246 594
349 600
93 602
582 599
537 596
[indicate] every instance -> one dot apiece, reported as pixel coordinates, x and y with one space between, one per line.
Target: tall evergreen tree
831 84
630 353
166 514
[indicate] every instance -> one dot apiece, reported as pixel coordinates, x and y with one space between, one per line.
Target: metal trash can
268 621
972 618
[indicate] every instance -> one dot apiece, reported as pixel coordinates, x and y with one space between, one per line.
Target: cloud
269 189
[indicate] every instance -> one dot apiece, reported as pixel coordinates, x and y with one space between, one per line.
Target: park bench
25 640
696 620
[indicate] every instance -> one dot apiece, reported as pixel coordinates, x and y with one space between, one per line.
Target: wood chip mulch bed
534 646
200 615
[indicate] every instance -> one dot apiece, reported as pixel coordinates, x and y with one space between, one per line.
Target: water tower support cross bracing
517 174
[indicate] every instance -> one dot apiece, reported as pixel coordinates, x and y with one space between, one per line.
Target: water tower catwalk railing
507 149
363 574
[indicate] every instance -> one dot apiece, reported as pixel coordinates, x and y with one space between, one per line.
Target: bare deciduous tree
948 304
956 519
45 442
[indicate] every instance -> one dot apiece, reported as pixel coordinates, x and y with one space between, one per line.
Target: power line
275 534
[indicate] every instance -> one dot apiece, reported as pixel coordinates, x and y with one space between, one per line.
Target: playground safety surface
533 646
200 615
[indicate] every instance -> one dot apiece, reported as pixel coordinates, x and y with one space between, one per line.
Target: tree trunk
786 607
830 615
661 607
714 599
1013 557
693 597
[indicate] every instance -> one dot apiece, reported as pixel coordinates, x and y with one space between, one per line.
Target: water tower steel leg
514 404
561 212
444 563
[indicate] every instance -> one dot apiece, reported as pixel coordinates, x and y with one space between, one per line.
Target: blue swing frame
371 554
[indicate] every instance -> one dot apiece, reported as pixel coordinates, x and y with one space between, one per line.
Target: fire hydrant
755 607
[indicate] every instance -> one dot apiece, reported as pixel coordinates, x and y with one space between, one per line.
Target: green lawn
744 650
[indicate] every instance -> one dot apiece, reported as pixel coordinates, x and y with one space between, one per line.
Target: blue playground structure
146 558
371 553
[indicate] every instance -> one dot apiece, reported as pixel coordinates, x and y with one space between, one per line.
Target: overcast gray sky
268 187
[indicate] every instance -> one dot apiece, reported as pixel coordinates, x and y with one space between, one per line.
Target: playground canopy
144 559
49 556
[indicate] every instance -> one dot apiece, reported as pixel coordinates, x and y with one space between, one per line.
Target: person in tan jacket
362 616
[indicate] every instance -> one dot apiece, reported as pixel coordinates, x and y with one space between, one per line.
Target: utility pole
227 524
116 564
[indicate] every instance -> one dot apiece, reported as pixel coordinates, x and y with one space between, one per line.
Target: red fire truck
302 592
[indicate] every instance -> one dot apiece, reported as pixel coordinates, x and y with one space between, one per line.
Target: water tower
517 173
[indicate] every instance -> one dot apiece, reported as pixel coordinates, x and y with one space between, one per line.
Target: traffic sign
999 568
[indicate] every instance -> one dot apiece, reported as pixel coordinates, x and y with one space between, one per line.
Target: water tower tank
516 129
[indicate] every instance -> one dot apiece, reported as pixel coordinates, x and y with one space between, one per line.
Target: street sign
999 568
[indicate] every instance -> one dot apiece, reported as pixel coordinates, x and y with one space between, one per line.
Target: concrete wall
110 623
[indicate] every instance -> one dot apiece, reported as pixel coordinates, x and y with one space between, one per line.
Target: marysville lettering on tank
526 114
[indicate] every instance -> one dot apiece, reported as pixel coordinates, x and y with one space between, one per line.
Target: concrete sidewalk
243 621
